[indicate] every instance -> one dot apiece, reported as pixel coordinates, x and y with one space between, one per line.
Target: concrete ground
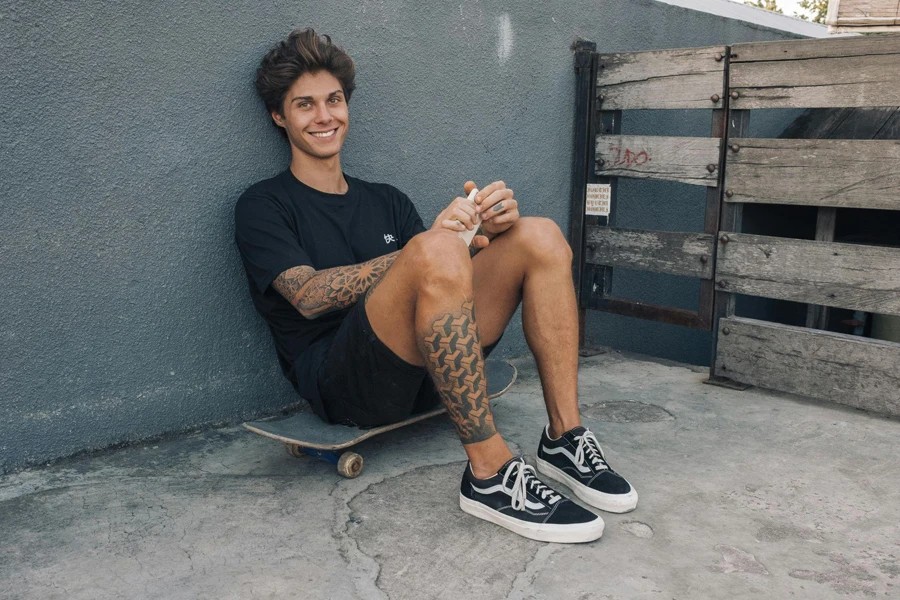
743 495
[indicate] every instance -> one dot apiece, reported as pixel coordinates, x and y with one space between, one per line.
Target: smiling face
315 115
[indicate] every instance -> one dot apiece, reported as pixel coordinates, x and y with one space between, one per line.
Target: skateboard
305 434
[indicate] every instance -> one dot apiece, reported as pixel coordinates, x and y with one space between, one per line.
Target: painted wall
127 132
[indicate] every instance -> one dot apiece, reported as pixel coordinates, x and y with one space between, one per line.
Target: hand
496 207
459 216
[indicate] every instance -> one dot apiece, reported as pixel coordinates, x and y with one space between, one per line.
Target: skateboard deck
306 434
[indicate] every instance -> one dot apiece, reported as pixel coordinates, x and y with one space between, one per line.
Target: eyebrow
294 99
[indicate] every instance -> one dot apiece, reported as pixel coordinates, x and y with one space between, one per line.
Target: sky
788 7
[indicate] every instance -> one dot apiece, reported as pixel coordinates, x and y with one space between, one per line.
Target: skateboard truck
349 464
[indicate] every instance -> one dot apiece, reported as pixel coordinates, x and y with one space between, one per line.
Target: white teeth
324 134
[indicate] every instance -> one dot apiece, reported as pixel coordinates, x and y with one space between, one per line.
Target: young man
374 317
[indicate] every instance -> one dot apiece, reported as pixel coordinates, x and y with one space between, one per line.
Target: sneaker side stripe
499 488
561 450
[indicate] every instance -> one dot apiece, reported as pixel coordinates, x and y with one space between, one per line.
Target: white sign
598 198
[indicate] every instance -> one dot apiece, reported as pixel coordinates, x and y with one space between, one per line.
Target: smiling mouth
323 134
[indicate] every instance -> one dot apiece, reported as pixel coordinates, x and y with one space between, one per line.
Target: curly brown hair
304 51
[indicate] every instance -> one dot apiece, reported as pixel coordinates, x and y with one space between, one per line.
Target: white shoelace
589 447
527 479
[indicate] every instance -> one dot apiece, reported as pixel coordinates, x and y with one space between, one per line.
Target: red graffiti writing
627 157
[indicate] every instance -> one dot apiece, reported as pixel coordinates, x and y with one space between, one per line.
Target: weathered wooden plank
816 73
849 276
816 83
850 370
794 50
859 29
691 160
838 173
847 13
687 254
680 78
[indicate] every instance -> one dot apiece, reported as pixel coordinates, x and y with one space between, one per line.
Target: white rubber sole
560 534
614 503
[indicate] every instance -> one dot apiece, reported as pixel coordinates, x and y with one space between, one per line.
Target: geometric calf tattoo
453 356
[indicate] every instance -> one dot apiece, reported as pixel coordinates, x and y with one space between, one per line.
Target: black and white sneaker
516 499
576 459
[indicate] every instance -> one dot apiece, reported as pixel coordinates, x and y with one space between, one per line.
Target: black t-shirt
282 223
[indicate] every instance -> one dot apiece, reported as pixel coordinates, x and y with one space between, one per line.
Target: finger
481 241
468 187
447 213
494 198
452 225
504 197
462 221
505 217
466 207
463 214
488 190
503 204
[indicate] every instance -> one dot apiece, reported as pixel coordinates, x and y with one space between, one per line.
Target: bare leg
423 309
530 263
533 261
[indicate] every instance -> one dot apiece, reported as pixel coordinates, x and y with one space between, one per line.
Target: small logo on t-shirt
388 238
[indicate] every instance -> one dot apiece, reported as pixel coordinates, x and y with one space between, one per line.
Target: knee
441 258
542 240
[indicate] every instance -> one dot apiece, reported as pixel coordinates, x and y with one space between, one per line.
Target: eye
335 99
304 104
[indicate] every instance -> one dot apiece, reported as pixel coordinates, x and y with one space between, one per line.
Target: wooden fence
863 16
609 84
737 170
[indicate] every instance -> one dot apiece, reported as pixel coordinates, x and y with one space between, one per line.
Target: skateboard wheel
294 450
350 464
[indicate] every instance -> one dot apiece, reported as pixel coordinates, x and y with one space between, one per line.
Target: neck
323 174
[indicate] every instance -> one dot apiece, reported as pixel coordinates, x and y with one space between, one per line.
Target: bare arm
315 293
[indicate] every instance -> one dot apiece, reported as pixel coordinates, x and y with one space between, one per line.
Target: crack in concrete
363 569
366 576
525 578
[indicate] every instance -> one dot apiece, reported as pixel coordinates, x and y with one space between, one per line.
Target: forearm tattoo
315 293
453 357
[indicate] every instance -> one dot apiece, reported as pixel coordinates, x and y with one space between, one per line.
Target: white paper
469 235
598 199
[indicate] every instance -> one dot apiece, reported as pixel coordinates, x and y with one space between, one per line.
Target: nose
322 113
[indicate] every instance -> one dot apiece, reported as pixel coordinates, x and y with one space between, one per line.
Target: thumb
469 186
480 241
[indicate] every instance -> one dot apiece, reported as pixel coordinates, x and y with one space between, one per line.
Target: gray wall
128 130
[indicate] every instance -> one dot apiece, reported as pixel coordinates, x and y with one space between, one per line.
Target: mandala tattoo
315 293
453 357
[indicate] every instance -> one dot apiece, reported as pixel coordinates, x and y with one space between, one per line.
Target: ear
278 118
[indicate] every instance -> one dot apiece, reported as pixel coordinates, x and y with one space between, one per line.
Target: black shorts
363 383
